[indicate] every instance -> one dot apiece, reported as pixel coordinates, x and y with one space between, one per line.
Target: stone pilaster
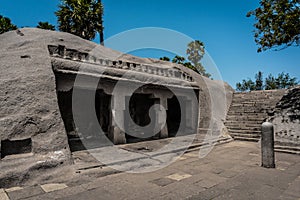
116 132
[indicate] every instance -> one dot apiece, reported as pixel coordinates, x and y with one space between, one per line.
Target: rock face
286 120
30 118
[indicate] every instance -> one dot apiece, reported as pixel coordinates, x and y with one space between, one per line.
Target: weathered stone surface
248 111
29 105
281 107
267 145
53 187
286 120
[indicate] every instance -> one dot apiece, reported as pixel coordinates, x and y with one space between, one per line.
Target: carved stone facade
123 94
38 81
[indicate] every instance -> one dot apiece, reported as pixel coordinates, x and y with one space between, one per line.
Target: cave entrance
173 116
76 140
12 147
139 110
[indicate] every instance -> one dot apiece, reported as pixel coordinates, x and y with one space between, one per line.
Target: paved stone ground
230 171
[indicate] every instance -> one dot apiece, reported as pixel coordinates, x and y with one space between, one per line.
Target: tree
82 18
259 82
282 81
181 60
246 85
165 58
192 67
178 59
6 25
195 52
46 26
277 24
270 83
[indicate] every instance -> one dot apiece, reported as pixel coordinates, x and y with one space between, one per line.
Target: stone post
160 119
118 108
190 116
267 145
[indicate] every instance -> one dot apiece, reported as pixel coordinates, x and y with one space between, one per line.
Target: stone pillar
267 145
163 101
183 121
189 114
116 134
194 106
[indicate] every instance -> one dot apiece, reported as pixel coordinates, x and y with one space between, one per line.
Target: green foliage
81 17
164 58
191 66
270 82
178 59
246 85
6 25
277 24
283 80
46 26
259 82
195 52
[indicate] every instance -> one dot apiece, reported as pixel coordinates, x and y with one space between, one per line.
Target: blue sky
220 24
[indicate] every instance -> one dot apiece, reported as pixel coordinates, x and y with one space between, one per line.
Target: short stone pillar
116 135
161 119
267 145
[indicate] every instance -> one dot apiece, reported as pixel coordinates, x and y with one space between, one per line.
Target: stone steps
248 111
244 131
242 138
288 149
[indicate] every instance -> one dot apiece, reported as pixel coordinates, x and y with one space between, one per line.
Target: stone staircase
248 111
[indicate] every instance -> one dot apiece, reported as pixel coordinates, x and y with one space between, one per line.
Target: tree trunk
101 37
101 34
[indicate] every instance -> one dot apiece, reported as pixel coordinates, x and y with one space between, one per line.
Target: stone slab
13 189
53 187
3 195
179 176
163 181
25 193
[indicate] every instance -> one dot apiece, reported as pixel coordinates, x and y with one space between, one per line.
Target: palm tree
6 25
195 52
82 18
46 26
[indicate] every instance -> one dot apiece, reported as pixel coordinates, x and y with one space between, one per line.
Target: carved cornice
75 55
